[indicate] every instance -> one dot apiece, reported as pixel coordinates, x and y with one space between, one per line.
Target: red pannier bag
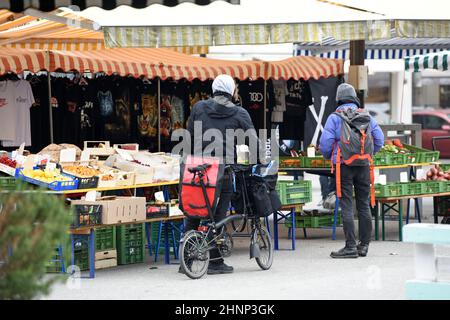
192 200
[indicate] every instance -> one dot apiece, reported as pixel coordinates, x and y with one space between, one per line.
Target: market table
321 170
391 202
89 232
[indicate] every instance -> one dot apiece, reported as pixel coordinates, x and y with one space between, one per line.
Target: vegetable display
437 174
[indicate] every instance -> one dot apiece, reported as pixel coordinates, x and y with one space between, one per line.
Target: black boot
345 253
219 268
362 249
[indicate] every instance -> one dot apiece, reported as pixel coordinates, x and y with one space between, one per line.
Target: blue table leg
293 227
174 241
60 254
149 241
158 242
418 210
407 210
336 211
166 244
275 230
72 249
92 254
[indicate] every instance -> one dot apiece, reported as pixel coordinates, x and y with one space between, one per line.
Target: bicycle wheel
265 244
194 256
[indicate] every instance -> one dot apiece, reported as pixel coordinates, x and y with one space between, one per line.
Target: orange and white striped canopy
305 67
165 63
29 32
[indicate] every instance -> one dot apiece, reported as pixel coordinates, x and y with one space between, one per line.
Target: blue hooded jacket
332 133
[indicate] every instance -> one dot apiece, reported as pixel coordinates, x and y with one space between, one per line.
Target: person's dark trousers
324 186
220 214
327 185
359 177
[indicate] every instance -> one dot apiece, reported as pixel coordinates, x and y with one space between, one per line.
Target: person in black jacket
220 113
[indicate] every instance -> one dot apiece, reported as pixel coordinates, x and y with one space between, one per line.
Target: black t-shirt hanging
39 113
88 108
174 106
118 129
199 90
298 97
251 96
146 108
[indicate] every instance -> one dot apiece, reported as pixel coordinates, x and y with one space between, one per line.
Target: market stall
159 68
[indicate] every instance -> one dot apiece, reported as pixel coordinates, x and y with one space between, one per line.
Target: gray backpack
356 145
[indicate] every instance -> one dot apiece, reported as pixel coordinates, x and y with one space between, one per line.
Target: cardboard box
119 209
95 150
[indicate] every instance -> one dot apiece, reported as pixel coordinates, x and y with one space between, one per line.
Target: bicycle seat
200 168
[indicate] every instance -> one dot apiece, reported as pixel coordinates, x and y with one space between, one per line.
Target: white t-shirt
8 114
22 102
280 91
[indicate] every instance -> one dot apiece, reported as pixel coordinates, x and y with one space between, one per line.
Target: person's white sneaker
320 204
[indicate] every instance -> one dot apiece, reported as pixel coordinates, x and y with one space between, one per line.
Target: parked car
379 111
434 123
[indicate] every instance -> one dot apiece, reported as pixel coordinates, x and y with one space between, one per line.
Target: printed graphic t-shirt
23 100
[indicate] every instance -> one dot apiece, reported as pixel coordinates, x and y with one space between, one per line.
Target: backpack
356 145
192 200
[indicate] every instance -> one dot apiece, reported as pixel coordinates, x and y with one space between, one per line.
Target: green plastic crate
105 239
8 183
316 162
291 162
81 254
431 187
130 232
294 192
130 243
389 190
445 186
424 155
414 188
389 159
313 221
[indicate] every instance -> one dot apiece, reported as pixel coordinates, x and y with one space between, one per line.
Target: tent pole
159 114
357 53
265 104
49 86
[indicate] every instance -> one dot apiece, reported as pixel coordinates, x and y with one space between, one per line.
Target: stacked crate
130 243
105 248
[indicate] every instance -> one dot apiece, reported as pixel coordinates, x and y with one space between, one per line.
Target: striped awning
40 34
50 5
172 36
165 64
437 61
394 48
305 68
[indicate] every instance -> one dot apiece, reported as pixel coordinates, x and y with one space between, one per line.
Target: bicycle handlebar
200 168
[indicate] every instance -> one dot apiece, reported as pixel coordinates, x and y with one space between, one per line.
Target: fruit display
46 176
106 177
81 171
8 162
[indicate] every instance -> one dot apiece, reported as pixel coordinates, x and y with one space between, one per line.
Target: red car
434 123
